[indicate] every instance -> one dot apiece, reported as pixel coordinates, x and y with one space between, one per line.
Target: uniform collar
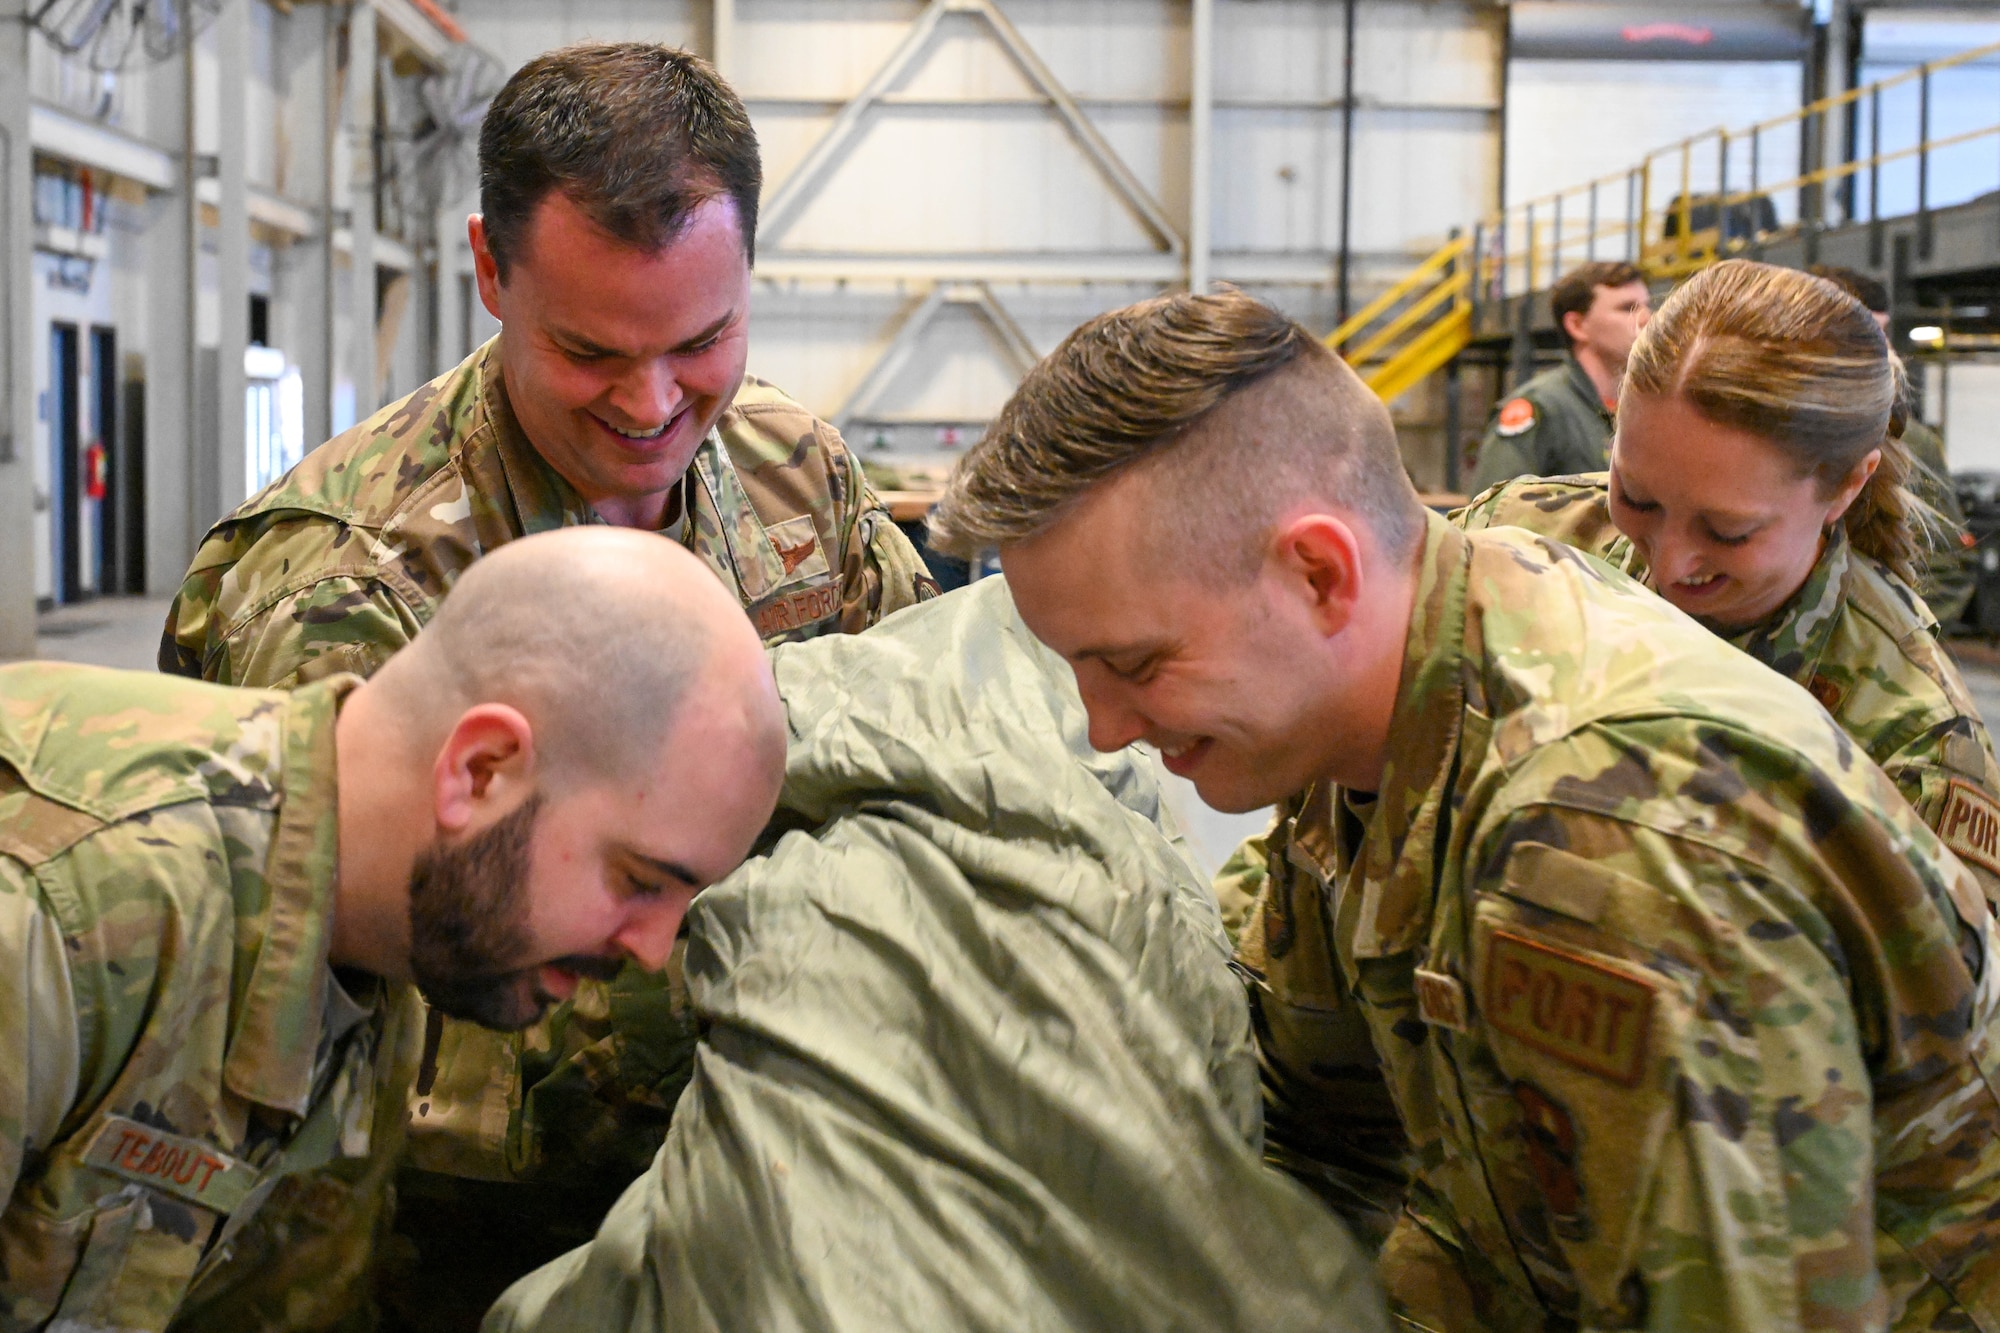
1792 641
1586 389
1391 871
524 494
273 1046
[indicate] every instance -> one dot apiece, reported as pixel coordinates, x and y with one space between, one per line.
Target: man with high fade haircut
618 191
1560 421
213 900
1685 1017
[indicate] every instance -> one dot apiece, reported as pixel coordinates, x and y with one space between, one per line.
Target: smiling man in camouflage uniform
211 899
619 189
1686 1020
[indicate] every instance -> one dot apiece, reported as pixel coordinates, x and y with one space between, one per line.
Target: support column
307 263
1836 78
722 36
360 119
448 346
1201 139
173 251
17 364
227 475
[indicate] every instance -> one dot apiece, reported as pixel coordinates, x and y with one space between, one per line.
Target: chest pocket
123 1265
806 598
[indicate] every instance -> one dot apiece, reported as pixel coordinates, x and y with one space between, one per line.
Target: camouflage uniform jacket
342 560
1690 1022
173 1038
1555 423
1948 573
1854 636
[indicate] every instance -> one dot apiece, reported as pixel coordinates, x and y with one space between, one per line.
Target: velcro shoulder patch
1971 826
1569 1007
1441 1000
1516 415
171 1163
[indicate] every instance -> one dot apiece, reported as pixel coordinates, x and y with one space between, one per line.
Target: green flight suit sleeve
1505 457
39 1044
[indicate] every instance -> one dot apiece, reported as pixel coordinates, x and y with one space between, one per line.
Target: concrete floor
125 632
110 631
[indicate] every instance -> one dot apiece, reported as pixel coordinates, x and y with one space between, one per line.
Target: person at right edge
1688 1020
1945 570
1560 421
1752 487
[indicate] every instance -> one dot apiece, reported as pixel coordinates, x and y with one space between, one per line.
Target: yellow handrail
1451 287
1415 278
1665 240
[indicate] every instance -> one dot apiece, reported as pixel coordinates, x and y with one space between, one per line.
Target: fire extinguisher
94 469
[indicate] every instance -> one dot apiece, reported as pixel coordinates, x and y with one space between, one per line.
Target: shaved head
598 635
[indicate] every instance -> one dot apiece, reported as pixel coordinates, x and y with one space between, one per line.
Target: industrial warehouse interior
1282 664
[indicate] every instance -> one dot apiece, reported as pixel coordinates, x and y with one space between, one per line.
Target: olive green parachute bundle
973 1054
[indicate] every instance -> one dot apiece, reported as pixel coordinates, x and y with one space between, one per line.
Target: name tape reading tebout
171 1163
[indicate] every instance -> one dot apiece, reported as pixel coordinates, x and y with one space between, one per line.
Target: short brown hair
1792 359
1576 291
1141 386
636 135
1856 284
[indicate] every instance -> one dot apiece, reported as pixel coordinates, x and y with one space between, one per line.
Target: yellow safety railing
1710 195
1414 327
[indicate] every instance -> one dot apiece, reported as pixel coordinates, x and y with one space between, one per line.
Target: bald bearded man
212 901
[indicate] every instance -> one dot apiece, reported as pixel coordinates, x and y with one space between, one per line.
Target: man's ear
485 768
1574 330
1319 556
485 269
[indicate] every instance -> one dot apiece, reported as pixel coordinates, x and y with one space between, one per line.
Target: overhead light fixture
1927 335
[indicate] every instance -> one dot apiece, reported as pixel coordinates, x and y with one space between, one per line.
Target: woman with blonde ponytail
1757 483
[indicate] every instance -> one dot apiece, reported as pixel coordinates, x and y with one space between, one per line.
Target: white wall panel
1972 414
261 100
515 31
924 177
1569 121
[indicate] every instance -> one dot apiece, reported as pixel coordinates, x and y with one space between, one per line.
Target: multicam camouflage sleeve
38 1034
884 573
291 635
1770 1111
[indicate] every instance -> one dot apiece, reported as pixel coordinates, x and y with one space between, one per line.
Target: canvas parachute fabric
973 1055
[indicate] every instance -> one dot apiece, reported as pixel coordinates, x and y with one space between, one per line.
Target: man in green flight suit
1560 421
1685 1018
619 187
213 900
1948 572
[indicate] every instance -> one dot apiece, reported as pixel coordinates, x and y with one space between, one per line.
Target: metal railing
1726 192
1415 326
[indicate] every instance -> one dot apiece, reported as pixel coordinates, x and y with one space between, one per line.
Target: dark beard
469 924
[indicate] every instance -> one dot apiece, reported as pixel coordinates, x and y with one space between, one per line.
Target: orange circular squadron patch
1516 415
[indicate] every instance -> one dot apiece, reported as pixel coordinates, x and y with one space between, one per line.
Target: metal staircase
1752 192
1415 327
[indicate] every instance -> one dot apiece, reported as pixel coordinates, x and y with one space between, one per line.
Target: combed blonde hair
1795 360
